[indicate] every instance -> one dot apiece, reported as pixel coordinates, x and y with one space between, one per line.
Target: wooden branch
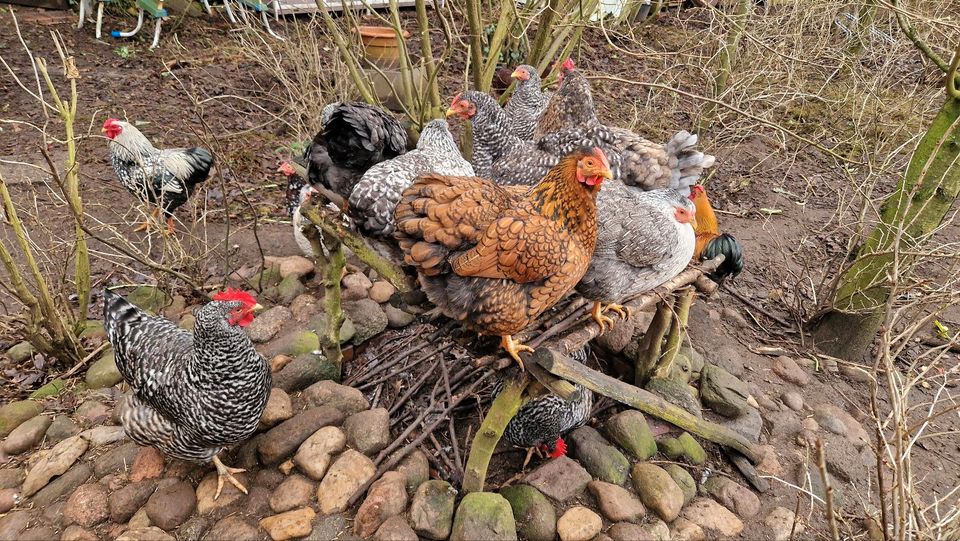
651 345
649 403
504 407
387 270
560 387
678 329
332 273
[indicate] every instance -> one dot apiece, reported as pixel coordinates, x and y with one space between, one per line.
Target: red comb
696 190
559 448
235 295
455 99
110 121
568 64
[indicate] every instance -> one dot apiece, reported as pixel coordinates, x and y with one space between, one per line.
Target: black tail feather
732 265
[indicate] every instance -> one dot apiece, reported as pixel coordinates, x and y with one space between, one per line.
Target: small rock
295 492
62 485
268 324
683 446
484 515
684 530
87 506
103 435
139 520
38 533
367 317
535 517
657 530
395 529
126 501
602 460
626 531
348 473
839 421
657 490
619 335
356 281
229 498
304 307
93 413
277 362
281 441
291 265
188 322
172 505
52 388
722 392
793 400
150 533
749 425
313 456
330 393
305 369
415 468
684 480
368 431
579 524
769 462
397 318
735 497
13 523
286 467
290 288
386 498
629 430
279 408
381 291
290 524
78 533
116 460
104 372
431 513
783 523
9 497
148 464
193 529
55 462
27 435
789 371
21 352
292 344
677 393
16 413
764 402
233 527
713 517
327 527
855 373
560 478
12 477
617 503
60 429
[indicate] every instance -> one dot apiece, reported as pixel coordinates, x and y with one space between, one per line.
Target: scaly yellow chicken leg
514 348
602 320
148 223
224 471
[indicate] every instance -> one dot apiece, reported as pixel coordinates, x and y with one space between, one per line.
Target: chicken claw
514 348
224 471
602 320
622 311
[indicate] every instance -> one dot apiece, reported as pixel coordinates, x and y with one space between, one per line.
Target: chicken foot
514 348
604 321
149 223
224 471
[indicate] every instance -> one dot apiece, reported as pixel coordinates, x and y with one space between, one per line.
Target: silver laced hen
645 239
527 102
543 420
375 197
192 395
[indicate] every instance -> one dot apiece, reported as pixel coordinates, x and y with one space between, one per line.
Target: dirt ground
198 87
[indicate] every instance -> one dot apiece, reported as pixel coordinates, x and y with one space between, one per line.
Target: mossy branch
651 345
332 263
475 24
678 329
503 409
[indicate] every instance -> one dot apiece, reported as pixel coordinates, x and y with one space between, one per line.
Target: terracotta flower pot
380 45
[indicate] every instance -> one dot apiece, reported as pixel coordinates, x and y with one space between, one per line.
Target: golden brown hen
497 257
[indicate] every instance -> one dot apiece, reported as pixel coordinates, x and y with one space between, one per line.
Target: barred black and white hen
375 197
526 103
354 136
541 422
192 395
165 178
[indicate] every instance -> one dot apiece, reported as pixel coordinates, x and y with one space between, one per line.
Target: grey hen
527 102
645 239
376 194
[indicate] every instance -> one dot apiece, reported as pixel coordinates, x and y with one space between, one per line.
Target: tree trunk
908 218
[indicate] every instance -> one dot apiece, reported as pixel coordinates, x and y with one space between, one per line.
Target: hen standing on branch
711 243
192 394
495 258
164 178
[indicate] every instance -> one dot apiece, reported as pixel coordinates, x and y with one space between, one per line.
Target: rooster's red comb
455 99
235 295
568 65
696 190
110 122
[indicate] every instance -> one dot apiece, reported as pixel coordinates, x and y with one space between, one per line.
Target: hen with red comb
192 394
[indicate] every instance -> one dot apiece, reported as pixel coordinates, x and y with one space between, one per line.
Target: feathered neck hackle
130 143
560 196
706 219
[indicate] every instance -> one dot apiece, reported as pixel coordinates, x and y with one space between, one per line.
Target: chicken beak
693 221
257 308
606 173
515 74
451 112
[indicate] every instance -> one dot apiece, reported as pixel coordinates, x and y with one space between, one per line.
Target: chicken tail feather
687 163
729 246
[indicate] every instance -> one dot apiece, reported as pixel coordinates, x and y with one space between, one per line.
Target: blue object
115 33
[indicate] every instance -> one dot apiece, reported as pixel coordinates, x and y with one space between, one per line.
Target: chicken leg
514 348
224 471
602 320
148 223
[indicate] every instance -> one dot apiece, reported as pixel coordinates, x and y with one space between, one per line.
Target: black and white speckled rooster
375 197
165 178
527 102
192 394
541 422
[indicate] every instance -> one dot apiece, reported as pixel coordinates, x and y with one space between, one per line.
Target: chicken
527 102
645 239
164 178
354 137
375 197
541 421
192 395
497 153
495 258
711 243
298 192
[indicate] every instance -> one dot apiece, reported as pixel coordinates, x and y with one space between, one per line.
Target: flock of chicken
552 200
